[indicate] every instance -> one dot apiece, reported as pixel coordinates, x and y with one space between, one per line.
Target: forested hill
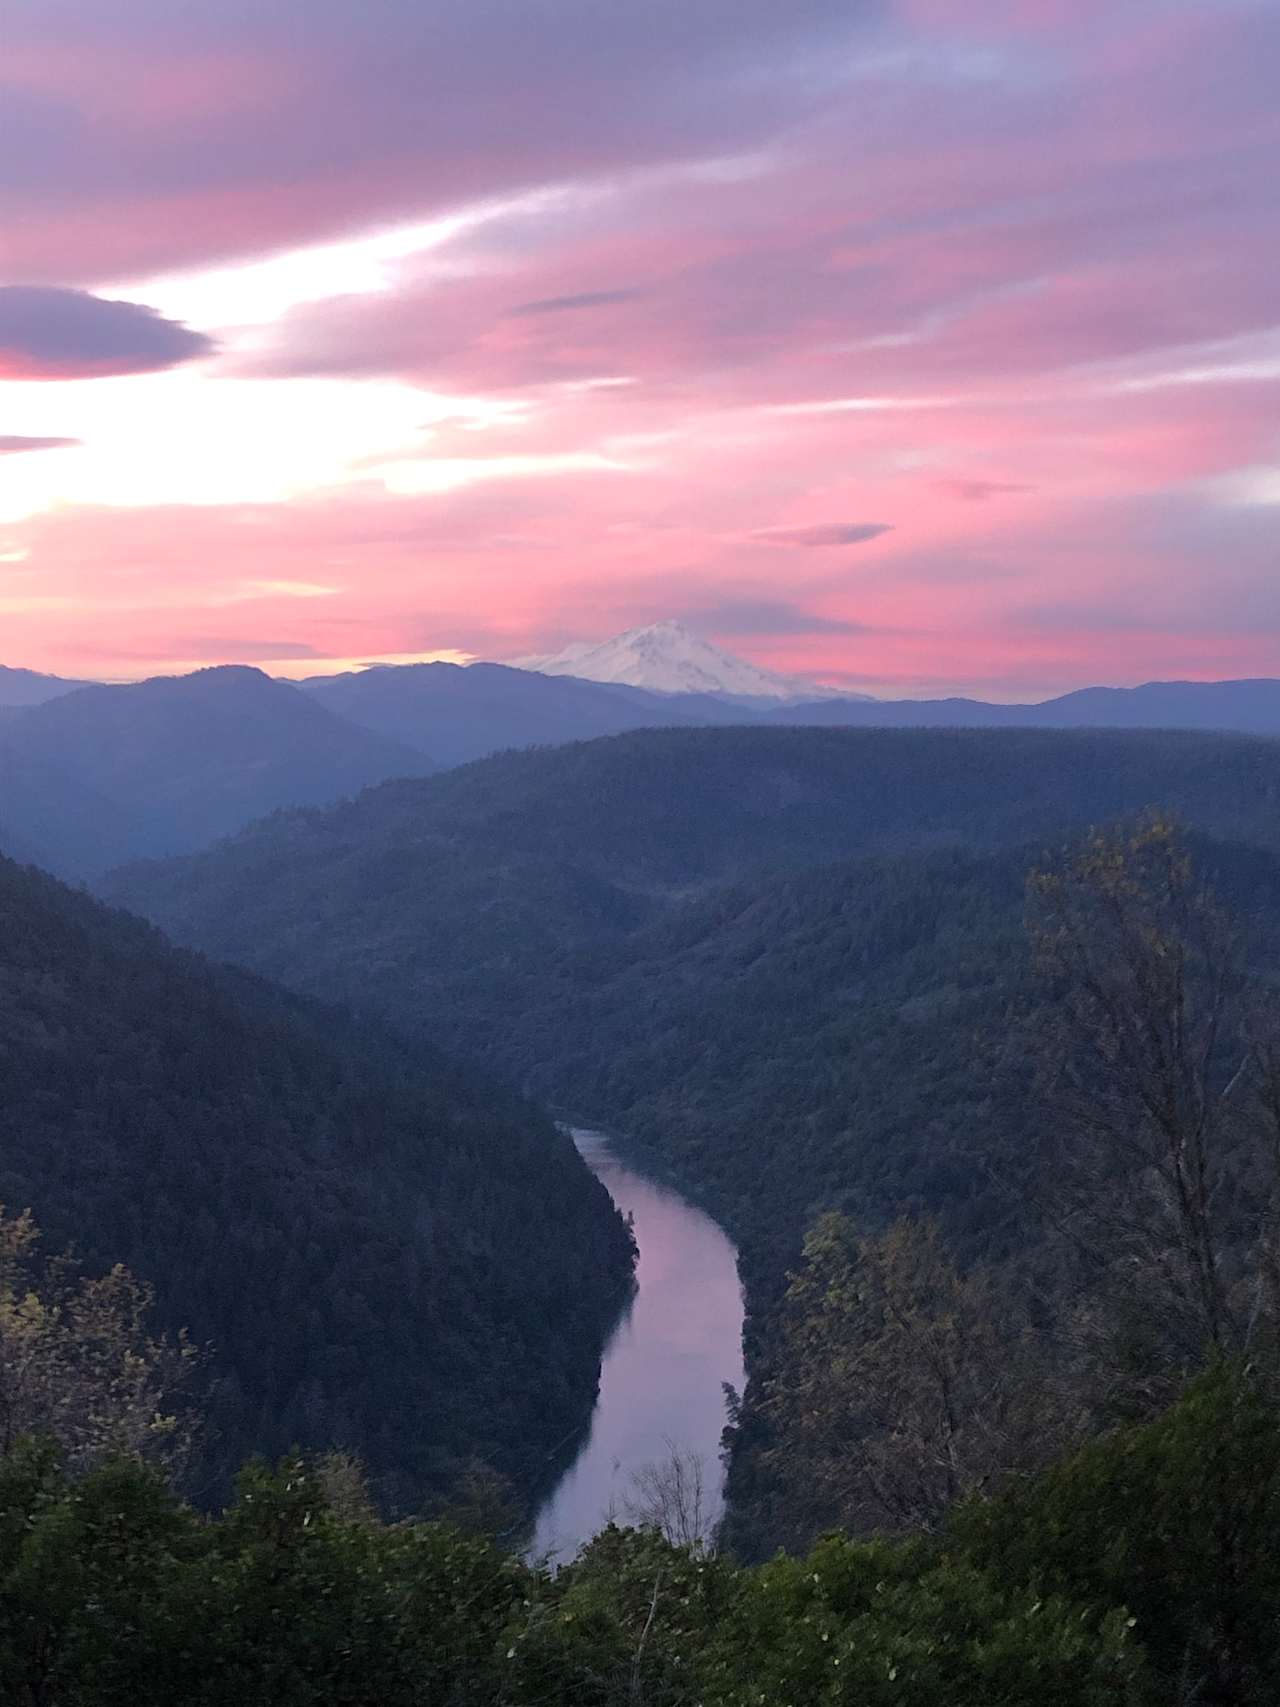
782 958
656 811
384 1251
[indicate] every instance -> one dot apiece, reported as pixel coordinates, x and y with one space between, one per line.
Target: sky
920 347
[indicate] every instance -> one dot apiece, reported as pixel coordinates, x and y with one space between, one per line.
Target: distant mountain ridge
458 713
1247 707
163 766
665 674
29 687
94 776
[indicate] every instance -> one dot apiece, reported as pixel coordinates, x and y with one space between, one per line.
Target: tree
1175 1519
1149 976
671 1496
78 1364
1161 1177
899 1382
635 1622
97 1602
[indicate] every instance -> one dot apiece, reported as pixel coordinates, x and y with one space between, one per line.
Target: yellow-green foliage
77 1361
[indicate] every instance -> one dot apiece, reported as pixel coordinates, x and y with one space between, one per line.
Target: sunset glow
919 348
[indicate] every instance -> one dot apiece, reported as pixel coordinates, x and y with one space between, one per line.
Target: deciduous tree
78 1363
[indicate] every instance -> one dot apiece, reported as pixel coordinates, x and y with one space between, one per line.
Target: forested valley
1057 1477
970 1039
790 966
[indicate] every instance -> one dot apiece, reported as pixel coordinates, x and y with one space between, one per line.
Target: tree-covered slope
384 1251
784 959
653 814
52 819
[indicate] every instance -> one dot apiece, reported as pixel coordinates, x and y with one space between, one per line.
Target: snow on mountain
667 657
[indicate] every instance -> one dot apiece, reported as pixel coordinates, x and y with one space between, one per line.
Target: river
663 1371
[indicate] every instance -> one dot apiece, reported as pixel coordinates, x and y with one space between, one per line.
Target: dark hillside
52 819
487 871
385 1252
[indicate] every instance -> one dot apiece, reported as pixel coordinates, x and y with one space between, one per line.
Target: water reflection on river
662 1376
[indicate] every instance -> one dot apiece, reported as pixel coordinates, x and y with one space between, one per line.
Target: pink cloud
17 444
348 118
1019 264
1080 579
1015 232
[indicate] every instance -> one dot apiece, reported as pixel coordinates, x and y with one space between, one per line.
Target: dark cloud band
50 332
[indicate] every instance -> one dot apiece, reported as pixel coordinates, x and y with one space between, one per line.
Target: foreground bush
114 1594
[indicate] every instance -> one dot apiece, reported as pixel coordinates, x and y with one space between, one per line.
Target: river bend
664 1368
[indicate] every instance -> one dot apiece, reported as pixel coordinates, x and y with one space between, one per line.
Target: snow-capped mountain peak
667 657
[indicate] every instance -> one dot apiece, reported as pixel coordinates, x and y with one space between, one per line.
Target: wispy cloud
572 304
15 444
820 534
978 491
